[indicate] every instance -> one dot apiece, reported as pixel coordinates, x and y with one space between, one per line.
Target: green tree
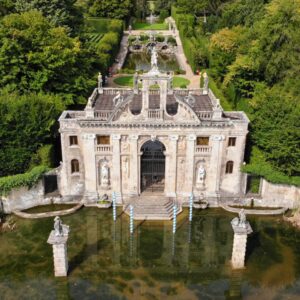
59 12
277 127
27 122
36 56
116 9
6 7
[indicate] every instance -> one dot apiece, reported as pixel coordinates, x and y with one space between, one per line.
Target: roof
105 101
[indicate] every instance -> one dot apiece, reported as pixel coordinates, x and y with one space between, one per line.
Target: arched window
229 167
74 165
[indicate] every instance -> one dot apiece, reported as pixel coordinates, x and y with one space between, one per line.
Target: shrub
28 179
44 156
163 14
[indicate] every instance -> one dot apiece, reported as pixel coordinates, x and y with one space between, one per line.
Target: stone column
134 179
216 161
116 164
189 166
59 246
171 178
91 193
239 243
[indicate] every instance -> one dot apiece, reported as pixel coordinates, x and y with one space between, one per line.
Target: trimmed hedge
28 179
260 167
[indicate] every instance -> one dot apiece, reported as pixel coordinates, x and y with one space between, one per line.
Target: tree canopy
36 56
27 122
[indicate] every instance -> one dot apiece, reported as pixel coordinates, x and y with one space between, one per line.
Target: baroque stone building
152 139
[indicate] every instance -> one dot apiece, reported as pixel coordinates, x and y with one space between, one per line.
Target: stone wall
280 195
23 198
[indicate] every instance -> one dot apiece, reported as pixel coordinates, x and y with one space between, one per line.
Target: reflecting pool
105 262
142 62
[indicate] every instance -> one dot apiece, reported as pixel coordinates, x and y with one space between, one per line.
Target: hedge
28 179
260 167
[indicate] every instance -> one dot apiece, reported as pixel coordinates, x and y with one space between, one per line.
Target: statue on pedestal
154 58
59 228
100 81
206 81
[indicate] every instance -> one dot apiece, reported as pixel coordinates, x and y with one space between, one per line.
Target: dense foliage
58 12
27 122
116 9
36 56
28 179
251 50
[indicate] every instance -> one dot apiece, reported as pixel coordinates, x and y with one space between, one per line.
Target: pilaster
90 169
116 164
134 179
189 166
216 162
171 178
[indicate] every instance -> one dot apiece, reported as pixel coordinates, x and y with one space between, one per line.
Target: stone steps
151 208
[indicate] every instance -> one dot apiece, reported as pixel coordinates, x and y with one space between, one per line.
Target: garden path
182 60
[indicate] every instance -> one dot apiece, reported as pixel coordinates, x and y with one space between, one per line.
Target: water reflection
106 261
142 62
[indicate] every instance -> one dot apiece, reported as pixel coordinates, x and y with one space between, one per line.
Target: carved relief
181 145
124 145
181 173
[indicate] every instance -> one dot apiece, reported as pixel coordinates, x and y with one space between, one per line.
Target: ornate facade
154 139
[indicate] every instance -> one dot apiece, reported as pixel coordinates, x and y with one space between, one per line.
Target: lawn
128 81
147 26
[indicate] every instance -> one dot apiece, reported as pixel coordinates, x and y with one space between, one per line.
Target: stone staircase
151 207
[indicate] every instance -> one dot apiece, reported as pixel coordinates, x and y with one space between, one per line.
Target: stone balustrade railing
203 150
102 114
111 91
156 114
103 148
205 115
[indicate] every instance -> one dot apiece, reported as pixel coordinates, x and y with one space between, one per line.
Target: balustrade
103 115
155 114
103 148
203 150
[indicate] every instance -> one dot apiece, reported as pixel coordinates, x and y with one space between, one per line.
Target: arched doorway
153 163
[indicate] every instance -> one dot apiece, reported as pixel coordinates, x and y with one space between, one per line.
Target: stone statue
117 99
201 177
206 81
100 81
58 228
136 80
104 174
130 28
242 218
201 173
154 58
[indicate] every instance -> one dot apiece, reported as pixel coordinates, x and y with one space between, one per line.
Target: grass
147 26
128 81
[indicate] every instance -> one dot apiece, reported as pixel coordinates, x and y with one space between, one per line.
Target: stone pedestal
239 244
60 257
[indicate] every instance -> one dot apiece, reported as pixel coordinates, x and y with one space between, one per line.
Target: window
73 140
74 166
103 139
229 167
231 141
202 140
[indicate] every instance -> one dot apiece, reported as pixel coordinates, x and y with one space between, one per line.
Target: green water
106 263
142 62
